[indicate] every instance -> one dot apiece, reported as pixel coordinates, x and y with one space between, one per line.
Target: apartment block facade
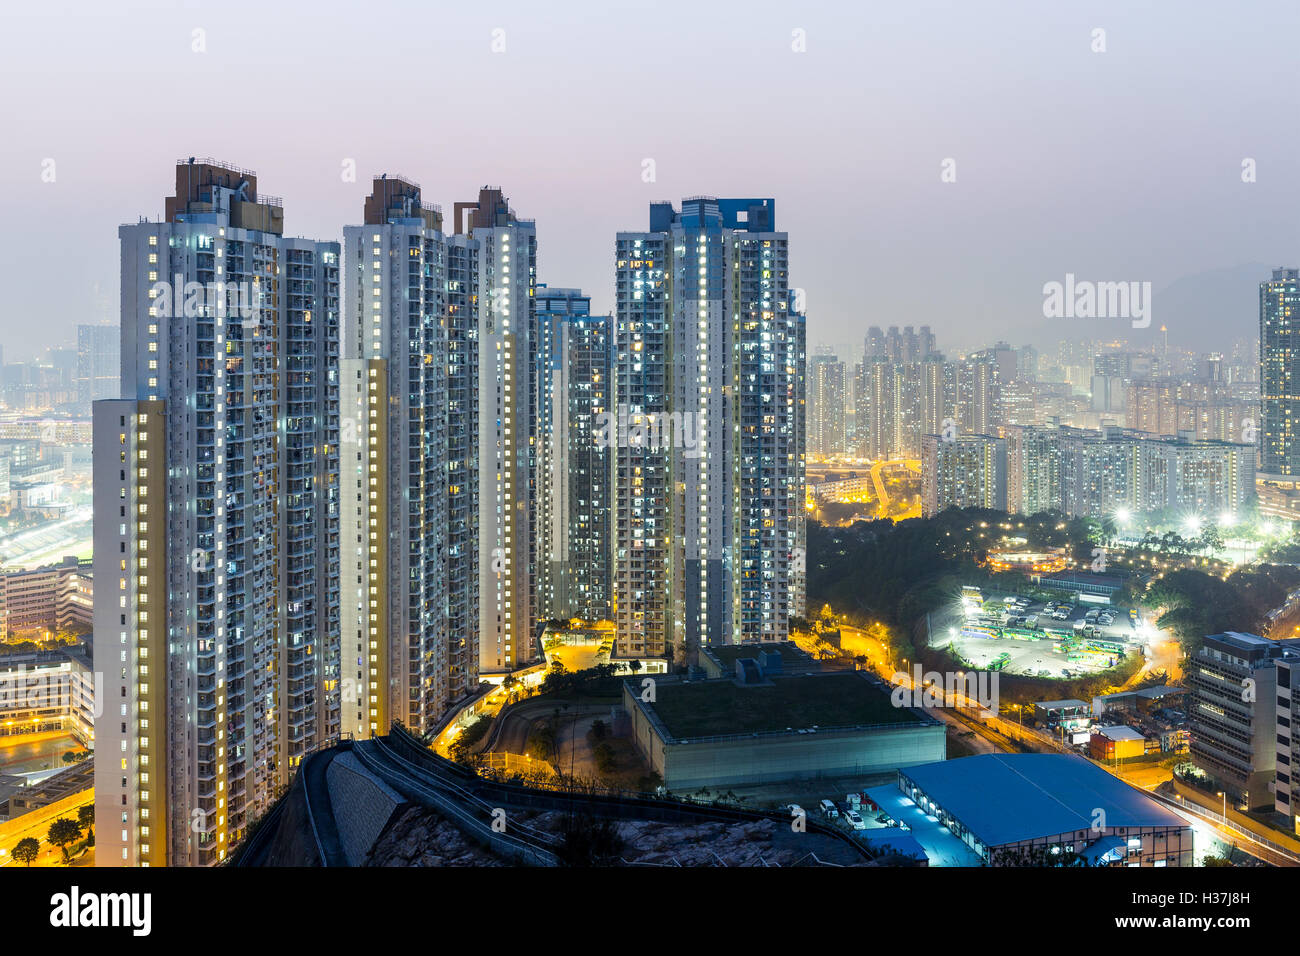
577 424
216 534
710 357
410 639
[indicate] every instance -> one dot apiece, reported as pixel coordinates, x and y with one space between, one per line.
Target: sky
1122 164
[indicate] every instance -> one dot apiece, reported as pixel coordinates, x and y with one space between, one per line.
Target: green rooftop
721 707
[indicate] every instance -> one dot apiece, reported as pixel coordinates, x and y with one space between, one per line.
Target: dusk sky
1122 165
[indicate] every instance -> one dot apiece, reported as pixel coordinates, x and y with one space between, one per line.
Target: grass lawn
722 707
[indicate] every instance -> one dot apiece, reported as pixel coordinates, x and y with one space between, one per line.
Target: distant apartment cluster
1094 430
339 481
64 380
39 603
1081 472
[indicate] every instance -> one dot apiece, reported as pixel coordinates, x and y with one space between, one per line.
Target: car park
854 820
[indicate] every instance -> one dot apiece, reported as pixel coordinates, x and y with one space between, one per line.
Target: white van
829 809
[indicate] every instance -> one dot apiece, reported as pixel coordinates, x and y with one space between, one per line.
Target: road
512 735
882 496
35 825
1164 653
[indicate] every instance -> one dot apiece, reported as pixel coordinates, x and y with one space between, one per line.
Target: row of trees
63 833
1197 603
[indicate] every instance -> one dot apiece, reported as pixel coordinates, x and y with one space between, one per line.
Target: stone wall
363 805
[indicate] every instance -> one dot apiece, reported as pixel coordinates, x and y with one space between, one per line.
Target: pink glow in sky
1117 165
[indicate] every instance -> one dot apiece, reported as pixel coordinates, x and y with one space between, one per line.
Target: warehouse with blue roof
1017 809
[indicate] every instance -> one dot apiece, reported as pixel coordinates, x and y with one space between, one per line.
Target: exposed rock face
755 843
420 837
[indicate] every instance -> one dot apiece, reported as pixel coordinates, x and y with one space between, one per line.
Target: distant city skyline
1111 166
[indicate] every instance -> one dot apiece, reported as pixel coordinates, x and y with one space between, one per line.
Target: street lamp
1224 794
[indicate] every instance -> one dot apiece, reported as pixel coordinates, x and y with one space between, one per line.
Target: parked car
855 820
829 809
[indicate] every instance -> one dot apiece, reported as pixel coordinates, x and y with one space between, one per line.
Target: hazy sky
1122 165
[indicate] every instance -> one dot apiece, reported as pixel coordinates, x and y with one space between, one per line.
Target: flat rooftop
728 654
1119 733
942 847
1060 704
1006 798
720 707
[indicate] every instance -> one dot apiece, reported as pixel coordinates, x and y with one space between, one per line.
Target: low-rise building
39 602
48 691
1064 714
1116 743
1017 809
730 732
1234 706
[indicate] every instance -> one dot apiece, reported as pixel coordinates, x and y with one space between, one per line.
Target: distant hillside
1209 310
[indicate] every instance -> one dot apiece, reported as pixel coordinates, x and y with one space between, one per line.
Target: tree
63 832
86 816
26 851
634 667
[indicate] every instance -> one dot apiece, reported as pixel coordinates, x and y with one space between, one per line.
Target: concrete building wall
363 805
796 756
730 761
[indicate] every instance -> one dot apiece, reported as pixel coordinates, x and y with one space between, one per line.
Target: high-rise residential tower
710 357
409 637
1279 373
827 404
575 391
494 253
965 471
216 522
98 367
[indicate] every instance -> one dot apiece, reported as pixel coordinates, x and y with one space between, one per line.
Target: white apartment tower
495 253
710 390
574 398
827 407
409 639
216 523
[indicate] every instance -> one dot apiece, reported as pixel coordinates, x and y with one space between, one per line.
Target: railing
1190 806
209 161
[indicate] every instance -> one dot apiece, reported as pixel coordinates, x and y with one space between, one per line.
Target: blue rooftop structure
939 844
1010 798
707 212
